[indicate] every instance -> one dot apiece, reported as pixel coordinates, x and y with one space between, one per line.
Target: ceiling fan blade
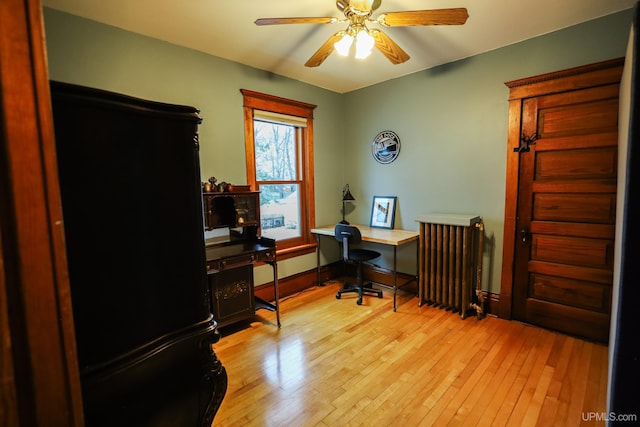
277 21
388 47
455 16
325 50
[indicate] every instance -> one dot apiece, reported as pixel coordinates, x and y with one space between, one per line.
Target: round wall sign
386 146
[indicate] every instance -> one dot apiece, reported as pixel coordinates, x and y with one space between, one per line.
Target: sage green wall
452 119
452 122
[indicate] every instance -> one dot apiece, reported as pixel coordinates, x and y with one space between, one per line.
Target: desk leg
418 284
276 290
420 263
318 259
395 270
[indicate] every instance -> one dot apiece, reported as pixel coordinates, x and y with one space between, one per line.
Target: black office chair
348 235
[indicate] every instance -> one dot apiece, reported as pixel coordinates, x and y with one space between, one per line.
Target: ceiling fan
357 13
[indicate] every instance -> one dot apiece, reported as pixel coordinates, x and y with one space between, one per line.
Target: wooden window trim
261 101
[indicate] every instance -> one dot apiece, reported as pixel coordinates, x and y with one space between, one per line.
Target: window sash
297 153
283 237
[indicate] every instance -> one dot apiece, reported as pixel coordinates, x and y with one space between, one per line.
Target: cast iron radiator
450 262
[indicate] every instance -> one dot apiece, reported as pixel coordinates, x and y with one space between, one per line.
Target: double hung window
279 156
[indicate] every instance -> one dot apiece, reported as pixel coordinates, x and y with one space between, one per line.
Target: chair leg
360 288
347 289
367 288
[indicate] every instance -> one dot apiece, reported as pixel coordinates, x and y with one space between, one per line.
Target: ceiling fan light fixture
344 44
364 44
362 5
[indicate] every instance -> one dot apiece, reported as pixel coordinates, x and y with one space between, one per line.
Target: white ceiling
226 29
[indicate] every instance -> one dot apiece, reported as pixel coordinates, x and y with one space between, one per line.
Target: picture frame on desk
383 212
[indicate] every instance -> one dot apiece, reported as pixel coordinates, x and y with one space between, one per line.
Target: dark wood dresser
230 259
132 208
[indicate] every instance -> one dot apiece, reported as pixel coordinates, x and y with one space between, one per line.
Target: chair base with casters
348 235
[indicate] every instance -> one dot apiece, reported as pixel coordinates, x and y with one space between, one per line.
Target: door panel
578 118
566 212
578 251
581 112
581 294
574 320
588 163
586 274
567 207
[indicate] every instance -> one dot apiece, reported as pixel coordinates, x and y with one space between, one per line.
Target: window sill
295 251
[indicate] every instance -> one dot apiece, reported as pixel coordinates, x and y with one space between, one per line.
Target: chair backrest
347 234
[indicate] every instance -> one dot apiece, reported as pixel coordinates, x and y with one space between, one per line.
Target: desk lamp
346 195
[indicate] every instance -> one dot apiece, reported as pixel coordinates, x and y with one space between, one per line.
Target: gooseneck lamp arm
346 195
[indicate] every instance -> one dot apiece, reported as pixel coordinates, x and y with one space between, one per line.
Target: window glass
276 151
280 210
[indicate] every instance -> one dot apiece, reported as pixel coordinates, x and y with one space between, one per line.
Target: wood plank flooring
334 363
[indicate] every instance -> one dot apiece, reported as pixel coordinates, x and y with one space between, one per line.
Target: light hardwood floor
334 363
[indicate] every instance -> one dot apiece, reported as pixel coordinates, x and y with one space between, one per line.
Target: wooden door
565 210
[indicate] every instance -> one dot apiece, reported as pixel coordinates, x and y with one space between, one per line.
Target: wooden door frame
39 374
601 73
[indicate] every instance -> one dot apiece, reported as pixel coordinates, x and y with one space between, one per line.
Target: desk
381 236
